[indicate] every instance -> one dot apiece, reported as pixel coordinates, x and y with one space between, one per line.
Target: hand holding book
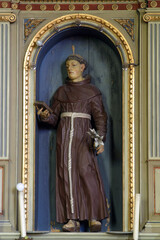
43 110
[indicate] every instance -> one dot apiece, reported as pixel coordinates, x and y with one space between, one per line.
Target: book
41 104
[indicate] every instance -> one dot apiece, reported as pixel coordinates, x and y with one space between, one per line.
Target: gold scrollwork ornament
147 18
12 18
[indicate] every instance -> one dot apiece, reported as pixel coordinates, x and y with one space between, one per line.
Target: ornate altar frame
29 77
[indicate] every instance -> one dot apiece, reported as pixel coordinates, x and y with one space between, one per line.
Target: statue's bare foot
95 226
71 226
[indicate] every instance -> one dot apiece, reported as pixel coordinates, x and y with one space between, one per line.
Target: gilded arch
127 59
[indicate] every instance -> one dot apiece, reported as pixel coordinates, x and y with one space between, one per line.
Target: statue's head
78 58
75 65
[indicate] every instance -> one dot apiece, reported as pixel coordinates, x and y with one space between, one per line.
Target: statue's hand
100 149
43 114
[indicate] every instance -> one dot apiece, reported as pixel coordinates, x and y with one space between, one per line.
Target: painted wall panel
157 190
1 190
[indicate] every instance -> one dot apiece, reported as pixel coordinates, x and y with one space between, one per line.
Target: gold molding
151 17
7 17
91 22
131 146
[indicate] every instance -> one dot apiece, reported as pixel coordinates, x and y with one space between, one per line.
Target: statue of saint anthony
79 190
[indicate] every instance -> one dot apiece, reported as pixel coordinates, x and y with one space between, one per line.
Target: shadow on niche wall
105 70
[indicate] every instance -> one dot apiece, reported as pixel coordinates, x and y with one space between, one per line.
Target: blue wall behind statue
105 68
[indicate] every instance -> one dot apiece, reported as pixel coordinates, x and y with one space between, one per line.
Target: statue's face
74 70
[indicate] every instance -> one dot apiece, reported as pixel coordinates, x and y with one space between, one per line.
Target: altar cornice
74 5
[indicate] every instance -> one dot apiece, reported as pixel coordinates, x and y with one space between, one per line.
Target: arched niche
51 35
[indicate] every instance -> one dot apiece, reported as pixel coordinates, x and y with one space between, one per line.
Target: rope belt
72 115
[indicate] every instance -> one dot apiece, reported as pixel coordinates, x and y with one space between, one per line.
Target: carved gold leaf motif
129 6
4 4
153 4
128 25
43 7
30 25
14 6
100 7
85 7
143 5
29 7
71 7
115 7
57 7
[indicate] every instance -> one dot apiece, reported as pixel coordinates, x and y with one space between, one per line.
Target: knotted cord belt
72 115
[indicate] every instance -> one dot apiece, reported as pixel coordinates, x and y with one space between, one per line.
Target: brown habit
88 195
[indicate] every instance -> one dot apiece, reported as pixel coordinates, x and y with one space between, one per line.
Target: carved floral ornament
7 17
115 36
151 17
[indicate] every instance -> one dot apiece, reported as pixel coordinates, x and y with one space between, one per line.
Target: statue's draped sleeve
99 115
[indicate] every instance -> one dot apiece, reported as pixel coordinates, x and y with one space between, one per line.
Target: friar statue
79 189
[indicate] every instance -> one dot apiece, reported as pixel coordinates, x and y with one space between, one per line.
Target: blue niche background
105 68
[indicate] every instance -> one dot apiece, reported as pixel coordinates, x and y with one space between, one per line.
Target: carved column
4 89
153 20
5 20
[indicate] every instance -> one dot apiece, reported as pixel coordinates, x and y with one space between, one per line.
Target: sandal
95 226
71 226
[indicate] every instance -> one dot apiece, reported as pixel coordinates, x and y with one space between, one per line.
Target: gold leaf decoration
30 25
128 25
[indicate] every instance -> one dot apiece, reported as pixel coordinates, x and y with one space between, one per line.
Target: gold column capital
7 17
151 17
